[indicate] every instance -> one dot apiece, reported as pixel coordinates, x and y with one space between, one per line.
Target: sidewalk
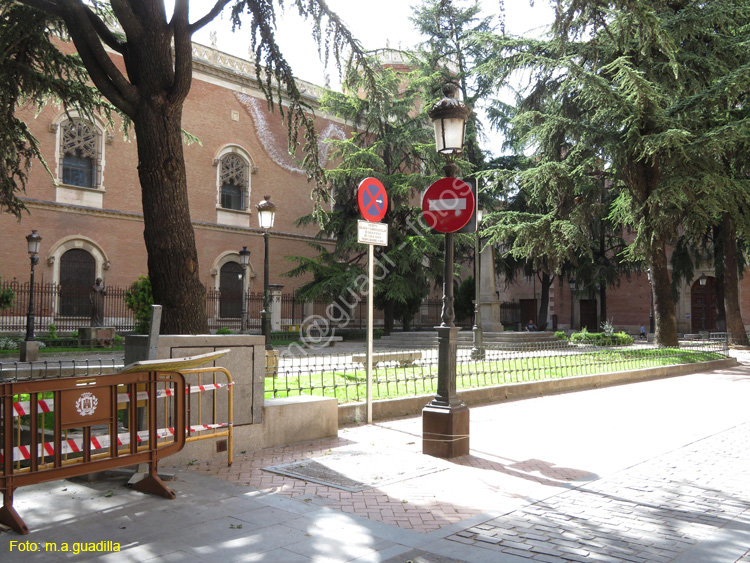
655 471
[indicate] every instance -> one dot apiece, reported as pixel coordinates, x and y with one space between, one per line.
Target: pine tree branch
209 17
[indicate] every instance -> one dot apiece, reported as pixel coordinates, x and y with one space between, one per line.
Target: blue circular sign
372 200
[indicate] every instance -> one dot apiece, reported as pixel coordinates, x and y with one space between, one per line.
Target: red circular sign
448 205
372 199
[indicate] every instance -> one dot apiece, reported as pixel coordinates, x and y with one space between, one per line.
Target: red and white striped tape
75 445
22 408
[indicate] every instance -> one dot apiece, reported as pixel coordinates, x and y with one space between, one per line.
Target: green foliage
560 334
463 303
33 71
52 331
8 343
391 144
139 298
224 330
635 115
601 338
6 298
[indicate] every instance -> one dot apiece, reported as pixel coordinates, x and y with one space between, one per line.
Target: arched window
230 290
234 176
80 150
77 275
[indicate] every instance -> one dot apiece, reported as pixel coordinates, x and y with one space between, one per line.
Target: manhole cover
358 471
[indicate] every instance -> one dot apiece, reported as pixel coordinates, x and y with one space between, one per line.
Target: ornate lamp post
30 348
266 216
477 349
445 420
702 280
651 326
572 285
244 262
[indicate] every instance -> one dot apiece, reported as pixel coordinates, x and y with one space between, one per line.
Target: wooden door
77 276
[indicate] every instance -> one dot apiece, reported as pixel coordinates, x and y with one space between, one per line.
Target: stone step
466 337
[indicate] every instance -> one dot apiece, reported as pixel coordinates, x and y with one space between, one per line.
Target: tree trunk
602 303
388 314
168 232
665 316
546 282
735 325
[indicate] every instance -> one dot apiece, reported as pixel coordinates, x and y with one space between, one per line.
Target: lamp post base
445 431
29 350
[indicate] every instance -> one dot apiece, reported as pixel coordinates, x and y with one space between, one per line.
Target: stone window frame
103 138
237 152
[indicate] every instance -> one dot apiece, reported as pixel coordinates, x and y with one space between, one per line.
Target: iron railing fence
49 306
11 371
414 372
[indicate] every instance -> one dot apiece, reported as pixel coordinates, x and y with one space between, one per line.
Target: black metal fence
53 305
401 373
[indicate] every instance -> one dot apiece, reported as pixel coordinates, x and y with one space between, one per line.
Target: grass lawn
388 383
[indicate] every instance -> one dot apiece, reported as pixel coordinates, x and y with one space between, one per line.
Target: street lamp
651 326
266 215
244 262
477 350
30 348
702 280
445 420
572 285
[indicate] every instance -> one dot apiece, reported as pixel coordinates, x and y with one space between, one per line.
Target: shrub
560 334
224 330
139 298
601 338
52 331
8 344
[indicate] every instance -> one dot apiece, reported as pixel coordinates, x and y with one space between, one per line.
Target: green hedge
601 338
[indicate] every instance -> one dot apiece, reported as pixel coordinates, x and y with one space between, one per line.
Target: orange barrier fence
205 418
74 427
55 428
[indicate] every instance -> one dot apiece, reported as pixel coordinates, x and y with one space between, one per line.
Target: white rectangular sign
372 233
448 204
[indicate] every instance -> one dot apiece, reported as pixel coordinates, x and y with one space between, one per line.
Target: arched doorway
77 275
230 291
703 305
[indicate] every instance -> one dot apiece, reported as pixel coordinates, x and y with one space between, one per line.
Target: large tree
452 52
389 142
156 50
642 72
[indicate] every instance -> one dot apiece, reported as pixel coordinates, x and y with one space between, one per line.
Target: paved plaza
649 472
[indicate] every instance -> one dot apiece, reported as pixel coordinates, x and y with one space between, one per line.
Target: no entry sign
372 199
448 205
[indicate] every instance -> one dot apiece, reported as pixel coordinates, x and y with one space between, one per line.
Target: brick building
89 211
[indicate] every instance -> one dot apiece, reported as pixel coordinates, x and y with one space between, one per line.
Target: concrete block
299 419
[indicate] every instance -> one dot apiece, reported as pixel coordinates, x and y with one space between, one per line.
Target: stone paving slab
655 511
654 471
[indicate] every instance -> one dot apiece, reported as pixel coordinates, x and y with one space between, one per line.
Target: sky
376 23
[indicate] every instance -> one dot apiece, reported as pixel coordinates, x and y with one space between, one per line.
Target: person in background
531 327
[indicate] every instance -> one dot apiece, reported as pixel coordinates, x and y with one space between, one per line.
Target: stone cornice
241 72
133 216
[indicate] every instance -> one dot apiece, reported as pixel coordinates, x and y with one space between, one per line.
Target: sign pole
372 200
370 291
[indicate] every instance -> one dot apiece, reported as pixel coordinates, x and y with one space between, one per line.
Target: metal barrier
58 428
214 428
85 434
